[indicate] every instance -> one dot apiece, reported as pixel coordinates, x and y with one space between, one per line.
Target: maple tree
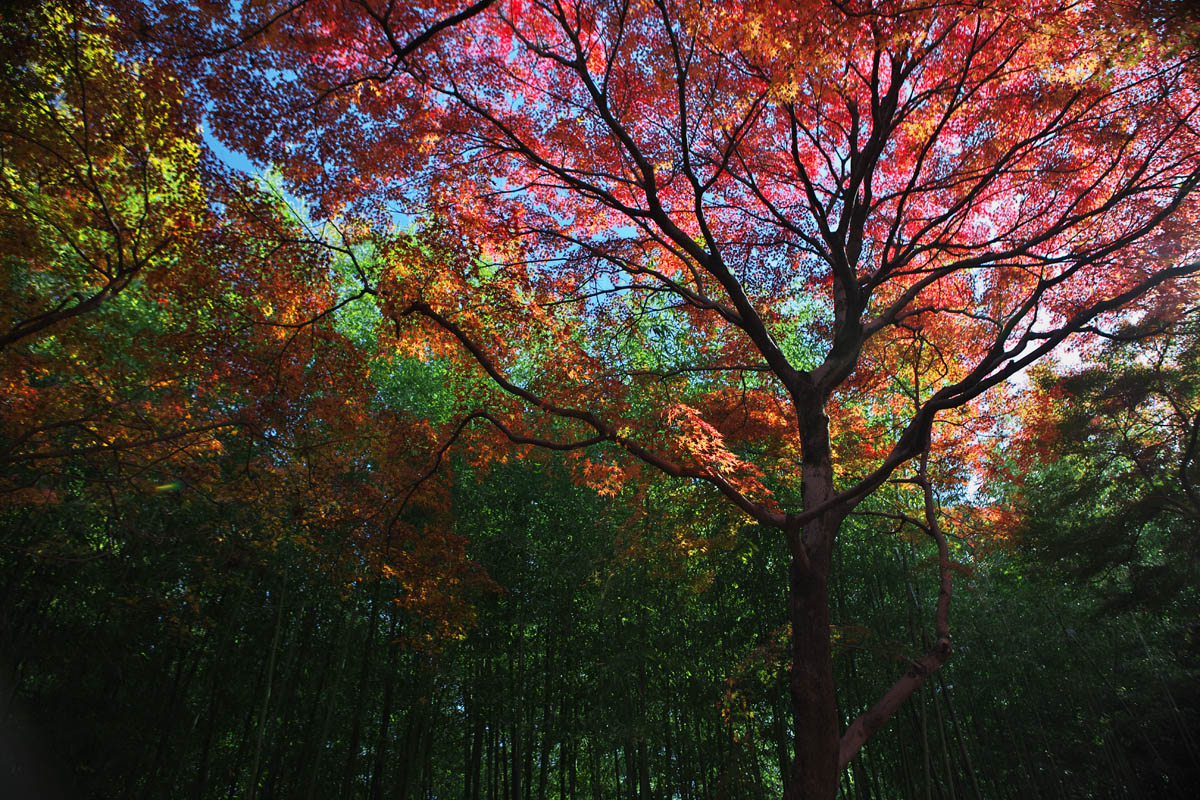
768 247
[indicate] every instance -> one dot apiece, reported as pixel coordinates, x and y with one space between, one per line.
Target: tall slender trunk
595 754
942 737
1024 760
926 754
227 626
779 730
643 760
477 758
670 771
472 747
288 739
491 762
621 795
235 774
261 727
408 774
379 764
859 776
701 760
175 698
364 675
906 765
330 696
573 768
968 767
1185 732
544 743
200 785
565 727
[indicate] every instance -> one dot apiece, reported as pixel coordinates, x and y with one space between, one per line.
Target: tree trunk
379 766
815 715
814 704
779 731
968 767
261 727
643 760
331 696
492 779
942 737
595 758
349 778
286 742
473 746
175 698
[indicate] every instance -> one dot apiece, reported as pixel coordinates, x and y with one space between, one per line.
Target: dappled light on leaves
793 259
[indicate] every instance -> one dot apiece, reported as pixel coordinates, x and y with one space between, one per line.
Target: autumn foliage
794 254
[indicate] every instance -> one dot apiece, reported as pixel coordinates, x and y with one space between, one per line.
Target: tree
139 361
98 186
770 247
1129 417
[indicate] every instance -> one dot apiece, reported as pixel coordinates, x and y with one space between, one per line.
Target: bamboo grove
601 399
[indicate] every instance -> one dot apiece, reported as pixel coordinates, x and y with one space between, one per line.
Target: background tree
1127 420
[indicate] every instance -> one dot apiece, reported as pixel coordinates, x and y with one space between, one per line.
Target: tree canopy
784 262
